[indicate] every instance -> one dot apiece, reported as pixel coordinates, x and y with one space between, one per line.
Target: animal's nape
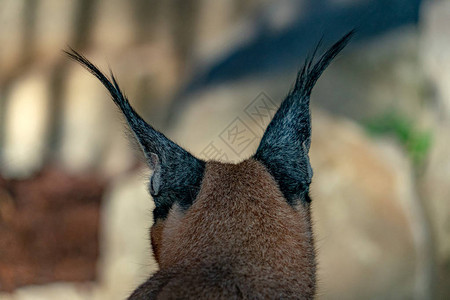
232 230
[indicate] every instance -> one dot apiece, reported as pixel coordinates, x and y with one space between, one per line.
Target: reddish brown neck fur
240 229
226 231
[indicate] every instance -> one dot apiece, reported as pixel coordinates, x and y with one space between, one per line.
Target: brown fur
156 237
225 231
239 239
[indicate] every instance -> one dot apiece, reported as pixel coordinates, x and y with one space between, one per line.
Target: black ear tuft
177 174
285 145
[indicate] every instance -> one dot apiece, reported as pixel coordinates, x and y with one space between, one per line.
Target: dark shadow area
272 53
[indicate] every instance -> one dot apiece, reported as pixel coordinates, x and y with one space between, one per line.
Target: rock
435 191
126 259
435 44
205 124
119 157
369 223
372 78
435 188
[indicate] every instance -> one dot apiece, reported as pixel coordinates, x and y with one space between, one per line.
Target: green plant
416 142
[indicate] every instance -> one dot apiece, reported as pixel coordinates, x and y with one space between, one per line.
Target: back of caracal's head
232 230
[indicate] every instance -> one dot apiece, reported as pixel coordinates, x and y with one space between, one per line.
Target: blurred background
74 211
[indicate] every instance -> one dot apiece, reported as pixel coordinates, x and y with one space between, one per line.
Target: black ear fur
177 174
285 144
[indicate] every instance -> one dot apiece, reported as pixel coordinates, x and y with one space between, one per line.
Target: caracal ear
285 144
176 173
